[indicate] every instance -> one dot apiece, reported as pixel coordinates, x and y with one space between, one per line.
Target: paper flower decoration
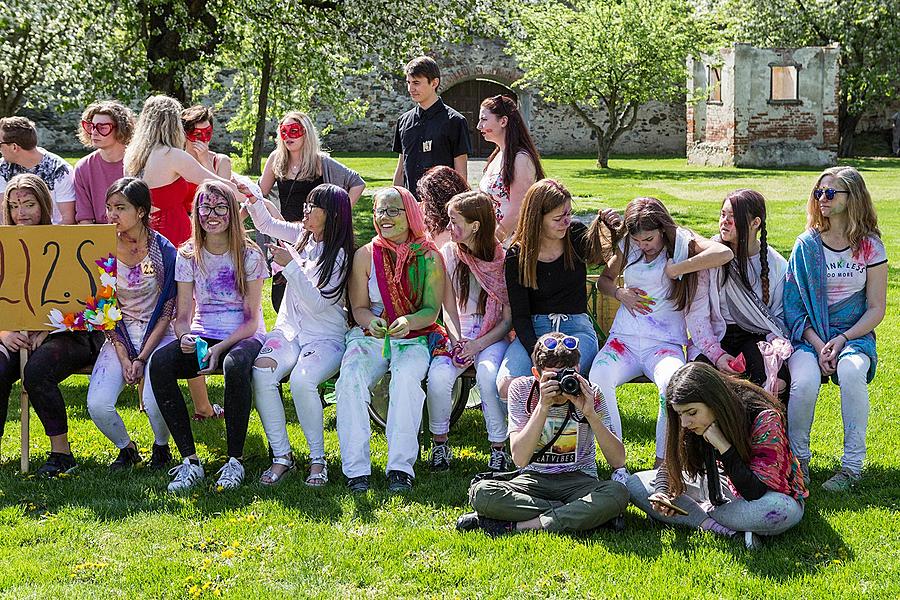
101 312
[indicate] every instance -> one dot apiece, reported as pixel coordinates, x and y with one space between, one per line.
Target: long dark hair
136 193
517 138
474 206
338 235
747 205
435 189
735 404
649 214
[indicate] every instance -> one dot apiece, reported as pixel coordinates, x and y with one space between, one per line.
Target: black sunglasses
829 193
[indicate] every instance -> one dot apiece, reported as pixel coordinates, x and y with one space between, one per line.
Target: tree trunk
262 105
602 153
847 128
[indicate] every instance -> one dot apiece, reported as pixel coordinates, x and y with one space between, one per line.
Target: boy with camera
553 422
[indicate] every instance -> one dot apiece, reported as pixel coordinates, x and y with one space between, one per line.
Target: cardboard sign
54 269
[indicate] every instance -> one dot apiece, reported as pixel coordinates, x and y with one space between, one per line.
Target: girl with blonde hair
221 272
294 168
834 297
156 154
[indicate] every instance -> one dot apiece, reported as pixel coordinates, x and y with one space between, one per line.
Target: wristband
181 337
846 339
140 360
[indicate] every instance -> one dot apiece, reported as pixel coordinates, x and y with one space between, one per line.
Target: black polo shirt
428 138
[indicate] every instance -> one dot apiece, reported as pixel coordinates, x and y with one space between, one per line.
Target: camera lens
569 385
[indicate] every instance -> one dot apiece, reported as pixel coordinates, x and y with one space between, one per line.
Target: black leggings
169 364
9 374
59 356
738 340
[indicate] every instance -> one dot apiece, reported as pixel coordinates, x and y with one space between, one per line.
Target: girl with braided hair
744 296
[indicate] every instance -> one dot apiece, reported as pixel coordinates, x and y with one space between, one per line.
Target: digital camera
568 382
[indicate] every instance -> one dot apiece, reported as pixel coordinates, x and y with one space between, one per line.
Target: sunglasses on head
551 343
292 131
198 134
829 193
103 129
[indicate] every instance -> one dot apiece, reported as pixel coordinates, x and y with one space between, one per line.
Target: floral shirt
771 459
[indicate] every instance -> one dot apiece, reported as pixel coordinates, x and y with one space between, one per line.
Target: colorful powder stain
224 282
617 346
133 276
864 251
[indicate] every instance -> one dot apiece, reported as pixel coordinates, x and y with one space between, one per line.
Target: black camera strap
570 408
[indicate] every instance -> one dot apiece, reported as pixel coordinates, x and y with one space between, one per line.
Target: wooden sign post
52 278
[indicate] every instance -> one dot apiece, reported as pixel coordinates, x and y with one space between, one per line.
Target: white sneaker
621 475
231 475
187 475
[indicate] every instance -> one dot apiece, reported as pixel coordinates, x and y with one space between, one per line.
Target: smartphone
202 353
668 504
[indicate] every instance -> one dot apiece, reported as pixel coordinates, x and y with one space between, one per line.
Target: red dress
172 220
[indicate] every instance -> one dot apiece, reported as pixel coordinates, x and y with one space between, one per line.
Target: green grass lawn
97 535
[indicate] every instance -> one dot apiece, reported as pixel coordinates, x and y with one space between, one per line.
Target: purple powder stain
775 516
133 276
224 282
273 344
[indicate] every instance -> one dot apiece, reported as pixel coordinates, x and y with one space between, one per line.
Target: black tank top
293 193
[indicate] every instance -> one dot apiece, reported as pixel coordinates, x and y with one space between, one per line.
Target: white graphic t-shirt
574 449
845 270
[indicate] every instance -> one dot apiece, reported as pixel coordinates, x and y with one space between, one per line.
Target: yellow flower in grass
228 553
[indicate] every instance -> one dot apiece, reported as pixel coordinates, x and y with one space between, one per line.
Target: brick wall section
748 129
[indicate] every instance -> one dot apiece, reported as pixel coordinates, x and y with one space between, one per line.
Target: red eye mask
200 135
292 131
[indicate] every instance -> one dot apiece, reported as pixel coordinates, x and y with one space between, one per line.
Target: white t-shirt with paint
845 270
219 306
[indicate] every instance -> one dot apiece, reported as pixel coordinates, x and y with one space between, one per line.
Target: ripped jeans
309 365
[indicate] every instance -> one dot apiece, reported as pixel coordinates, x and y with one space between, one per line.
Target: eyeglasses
292 131
200 134
102 129
390 211
220 210
309 206
551 343
829 193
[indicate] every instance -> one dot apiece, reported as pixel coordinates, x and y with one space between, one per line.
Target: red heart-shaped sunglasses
103 129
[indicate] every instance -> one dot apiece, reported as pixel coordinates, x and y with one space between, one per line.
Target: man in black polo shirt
431 134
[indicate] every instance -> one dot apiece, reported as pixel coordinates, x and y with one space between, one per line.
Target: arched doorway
466 97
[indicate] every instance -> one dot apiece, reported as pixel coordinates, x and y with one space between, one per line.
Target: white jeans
442 375
806 378
309 365
622 359
107 382
361 368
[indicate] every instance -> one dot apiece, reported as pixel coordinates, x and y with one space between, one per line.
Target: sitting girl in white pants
476 302
146 294
649 332
308 338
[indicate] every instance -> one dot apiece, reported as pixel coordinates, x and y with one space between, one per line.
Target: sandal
318 479
270 477
218 413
